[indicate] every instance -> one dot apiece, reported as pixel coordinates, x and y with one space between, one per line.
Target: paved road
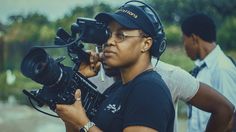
15 118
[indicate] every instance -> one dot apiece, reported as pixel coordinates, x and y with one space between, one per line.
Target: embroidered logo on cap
130 13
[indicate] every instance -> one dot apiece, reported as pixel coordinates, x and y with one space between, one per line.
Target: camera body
60 82
90 30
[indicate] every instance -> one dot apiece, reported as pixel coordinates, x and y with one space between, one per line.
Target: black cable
41 110
60 46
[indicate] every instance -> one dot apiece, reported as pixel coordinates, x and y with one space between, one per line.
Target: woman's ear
147 44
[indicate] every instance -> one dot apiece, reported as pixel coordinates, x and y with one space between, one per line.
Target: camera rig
60 82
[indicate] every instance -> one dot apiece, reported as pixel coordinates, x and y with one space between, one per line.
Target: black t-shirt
144 101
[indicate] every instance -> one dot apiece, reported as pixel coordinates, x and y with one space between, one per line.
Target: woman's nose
111 40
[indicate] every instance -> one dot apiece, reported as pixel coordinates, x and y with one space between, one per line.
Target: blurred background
27 23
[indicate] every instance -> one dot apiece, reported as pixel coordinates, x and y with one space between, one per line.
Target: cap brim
122 20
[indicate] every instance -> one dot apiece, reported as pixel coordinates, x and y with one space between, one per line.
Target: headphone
159 40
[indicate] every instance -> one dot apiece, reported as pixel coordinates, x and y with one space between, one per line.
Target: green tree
2 58
15 18
36 18
22 33
224 7
173 35
2 30
226 33
173 11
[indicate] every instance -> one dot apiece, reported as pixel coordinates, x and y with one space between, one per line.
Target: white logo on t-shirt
113 108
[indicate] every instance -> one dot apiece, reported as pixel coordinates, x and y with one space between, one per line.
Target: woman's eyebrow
118 29
122 28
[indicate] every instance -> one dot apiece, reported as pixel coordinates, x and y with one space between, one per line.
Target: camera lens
41 68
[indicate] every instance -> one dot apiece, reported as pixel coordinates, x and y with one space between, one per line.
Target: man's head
197 29
140 17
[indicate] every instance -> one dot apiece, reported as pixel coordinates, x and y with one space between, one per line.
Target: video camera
60 82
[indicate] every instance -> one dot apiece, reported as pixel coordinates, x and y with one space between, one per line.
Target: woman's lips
108 53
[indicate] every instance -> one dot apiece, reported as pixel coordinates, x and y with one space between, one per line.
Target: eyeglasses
120 36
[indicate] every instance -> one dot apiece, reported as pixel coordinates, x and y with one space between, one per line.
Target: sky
54 9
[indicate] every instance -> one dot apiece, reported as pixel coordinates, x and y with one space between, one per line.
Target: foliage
17 87
227 32
222 12
46 33
176 55
71 18
173 11
173 34
2 28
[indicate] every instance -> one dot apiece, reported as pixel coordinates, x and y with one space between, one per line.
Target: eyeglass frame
125 35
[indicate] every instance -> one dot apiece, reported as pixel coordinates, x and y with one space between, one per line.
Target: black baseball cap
131 17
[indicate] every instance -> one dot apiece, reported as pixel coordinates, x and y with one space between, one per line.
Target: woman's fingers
78 95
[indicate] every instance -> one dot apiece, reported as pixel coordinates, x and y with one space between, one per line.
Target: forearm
221 108
95 129
218 122
230 126
71 128
78 125
76 129
234 121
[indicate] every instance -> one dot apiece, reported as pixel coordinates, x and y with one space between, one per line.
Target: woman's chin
110 63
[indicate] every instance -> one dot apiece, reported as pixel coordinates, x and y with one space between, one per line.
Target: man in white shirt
218 71
184 87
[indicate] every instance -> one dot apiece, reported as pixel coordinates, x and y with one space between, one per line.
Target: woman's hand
91 69
73 114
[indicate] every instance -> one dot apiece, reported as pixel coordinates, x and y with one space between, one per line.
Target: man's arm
221 109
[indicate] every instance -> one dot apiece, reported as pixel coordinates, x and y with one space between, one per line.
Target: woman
142 102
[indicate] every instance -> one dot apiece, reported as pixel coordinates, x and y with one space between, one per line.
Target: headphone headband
149 7
159 44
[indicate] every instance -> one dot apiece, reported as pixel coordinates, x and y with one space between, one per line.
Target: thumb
78 95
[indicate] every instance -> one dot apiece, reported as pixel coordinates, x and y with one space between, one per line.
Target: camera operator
191 91
143 101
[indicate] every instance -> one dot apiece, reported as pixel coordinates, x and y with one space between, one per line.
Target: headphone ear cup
162 46
162 41
159 45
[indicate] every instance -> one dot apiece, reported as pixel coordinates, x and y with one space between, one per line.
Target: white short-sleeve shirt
220 74
181 84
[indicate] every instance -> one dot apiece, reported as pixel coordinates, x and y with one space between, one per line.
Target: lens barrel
40 67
